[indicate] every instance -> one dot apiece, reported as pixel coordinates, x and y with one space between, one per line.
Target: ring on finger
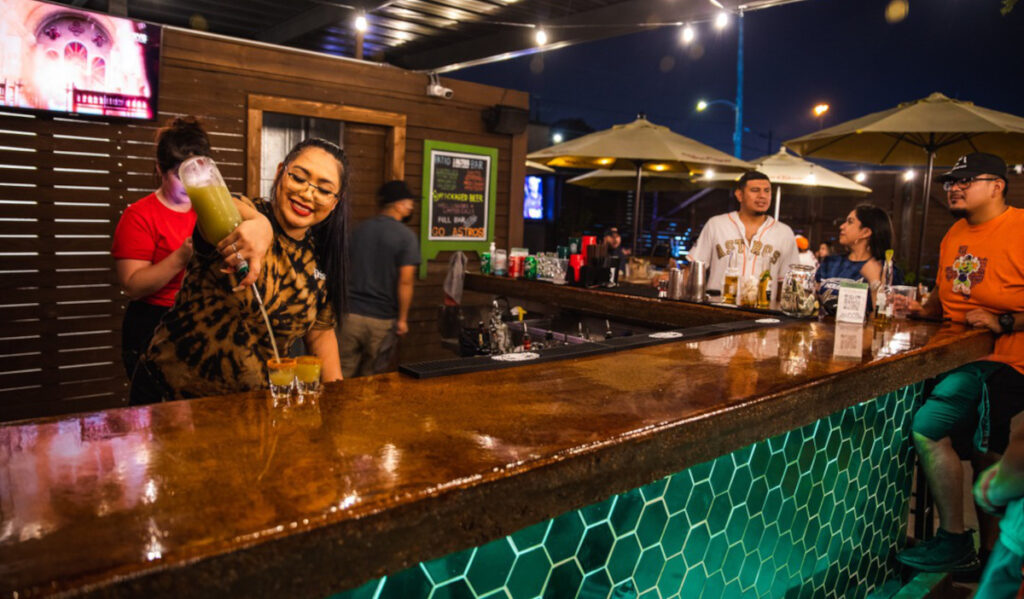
234 247
238 255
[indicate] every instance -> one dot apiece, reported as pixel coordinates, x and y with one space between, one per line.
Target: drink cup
307 375
281 374
900 307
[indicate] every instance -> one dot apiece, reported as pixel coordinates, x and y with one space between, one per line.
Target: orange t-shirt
983 267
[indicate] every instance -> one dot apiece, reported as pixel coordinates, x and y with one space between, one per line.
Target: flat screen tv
56 58
533 197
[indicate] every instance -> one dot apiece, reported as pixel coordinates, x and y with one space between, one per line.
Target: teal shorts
1004 575
953 406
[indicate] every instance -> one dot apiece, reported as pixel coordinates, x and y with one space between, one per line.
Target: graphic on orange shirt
967 270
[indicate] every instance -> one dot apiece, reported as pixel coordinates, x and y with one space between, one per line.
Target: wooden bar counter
237 496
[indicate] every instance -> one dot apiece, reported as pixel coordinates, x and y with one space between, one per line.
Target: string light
909 175
861 177
541 37
709 174
557 138
688 34
361 23
721 20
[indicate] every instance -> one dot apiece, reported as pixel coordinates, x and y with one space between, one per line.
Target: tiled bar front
815 512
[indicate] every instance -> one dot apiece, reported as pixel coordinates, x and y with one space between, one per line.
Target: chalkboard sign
459 194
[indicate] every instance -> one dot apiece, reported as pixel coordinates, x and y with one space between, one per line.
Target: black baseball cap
977 163
394 191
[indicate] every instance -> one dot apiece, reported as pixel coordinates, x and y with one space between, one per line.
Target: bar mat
435 368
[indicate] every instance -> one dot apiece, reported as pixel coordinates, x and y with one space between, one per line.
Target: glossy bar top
236 496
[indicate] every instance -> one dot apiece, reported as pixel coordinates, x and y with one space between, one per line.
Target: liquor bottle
883 296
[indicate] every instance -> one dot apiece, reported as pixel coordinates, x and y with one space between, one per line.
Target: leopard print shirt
214 341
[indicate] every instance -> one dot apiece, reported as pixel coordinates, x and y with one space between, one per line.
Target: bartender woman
153 240
214 340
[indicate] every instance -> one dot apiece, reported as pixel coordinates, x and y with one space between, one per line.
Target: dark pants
140 320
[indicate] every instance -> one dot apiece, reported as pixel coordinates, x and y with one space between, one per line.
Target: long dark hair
330 236
178 139
877 220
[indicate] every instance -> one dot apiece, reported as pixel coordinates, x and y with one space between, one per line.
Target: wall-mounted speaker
507 120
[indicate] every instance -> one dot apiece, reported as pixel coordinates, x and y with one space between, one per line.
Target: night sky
842 52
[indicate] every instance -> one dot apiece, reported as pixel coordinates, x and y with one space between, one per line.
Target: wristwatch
1006 323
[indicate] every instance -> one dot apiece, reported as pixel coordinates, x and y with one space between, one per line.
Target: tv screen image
533 197
60 59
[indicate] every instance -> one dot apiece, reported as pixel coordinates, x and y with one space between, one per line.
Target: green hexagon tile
816 512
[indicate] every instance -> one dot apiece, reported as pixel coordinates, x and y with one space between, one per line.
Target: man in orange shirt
981 283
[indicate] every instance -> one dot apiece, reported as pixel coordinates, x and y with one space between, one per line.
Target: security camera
439 91
436 90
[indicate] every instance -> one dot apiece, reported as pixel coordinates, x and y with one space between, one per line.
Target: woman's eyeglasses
965 182
322 197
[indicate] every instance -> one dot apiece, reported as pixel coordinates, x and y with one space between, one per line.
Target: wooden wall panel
60 308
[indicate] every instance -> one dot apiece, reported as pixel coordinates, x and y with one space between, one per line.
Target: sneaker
945 552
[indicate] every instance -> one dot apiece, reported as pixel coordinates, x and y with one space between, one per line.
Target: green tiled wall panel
816 512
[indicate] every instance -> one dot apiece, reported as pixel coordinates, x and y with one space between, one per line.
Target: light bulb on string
721 20
688 34
541 37
861 177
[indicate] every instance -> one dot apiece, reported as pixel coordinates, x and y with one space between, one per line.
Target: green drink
307 371
215 211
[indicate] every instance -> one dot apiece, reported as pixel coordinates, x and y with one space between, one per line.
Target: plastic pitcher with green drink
215 210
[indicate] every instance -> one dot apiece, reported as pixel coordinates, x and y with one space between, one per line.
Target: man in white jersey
751 239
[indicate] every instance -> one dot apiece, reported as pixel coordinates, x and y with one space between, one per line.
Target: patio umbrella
932 131
536 168
640 146
798 176
623 180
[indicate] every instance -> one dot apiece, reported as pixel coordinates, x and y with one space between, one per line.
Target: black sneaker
945 552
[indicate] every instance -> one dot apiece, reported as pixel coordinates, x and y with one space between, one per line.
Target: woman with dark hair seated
866 234
214 340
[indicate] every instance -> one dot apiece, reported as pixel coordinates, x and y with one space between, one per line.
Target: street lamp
819 111
737 133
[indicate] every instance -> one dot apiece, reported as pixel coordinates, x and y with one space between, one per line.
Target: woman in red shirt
153 240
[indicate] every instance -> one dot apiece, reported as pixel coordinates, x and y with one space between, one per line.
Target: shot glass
900 308
282 377
307 373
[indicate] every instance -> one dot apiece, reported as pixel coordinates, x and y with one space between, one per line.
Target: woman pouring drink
214 340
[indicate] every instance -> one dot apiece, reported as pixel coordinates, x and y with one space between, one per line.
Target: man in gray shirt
383 257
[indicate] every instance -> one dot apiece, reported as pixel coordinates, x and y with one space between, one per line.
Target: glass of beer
730 288
215 210
307 372
281 373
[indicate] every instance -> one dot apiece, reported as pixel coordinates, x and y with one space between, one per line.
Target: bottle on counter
883 296
730 287
485 261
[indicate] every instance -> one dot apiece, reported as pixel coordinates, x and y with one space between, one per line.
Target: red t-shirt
982 266
150 231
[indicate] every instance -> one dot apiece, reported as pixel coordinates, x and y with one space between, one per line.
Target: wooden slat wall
65 182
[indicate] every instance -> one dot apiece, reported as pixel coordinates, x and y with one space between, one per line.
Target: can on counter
530 269
515 267
485 263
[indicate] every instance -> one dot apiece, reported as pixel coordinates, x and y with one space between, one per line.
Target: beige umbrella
798 176
933 131
623 180
536 168
639 146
